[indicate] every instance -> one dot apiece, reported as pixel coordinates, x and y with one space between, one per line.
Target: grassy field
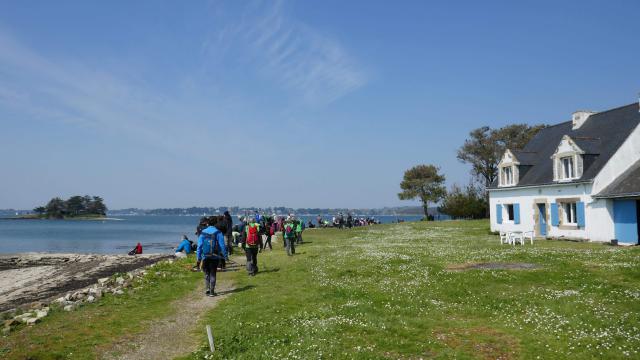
403 292
85 333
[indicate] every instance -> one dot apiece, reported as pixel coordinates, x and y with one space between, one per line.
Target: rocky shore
29 280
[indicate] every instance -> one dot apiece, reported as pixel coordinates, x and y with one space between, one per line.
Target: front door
542 219
625 219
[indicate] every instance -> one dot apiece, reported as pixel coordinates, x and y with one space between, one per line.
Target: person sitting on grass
211 250
185 245
136 250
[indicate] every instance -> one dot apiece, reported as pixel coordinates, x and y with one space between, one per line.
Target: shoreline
65 219
26 278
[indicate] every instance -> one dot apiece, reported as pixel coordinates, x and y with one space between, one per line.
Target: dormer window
508 170
567 161
567 167
507 175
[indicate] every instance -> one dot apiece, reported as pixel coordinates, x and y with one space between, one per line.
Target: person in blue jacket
211 249
185 245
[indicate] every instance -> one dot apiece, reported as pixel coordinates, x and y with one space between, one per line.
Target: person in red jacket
136 250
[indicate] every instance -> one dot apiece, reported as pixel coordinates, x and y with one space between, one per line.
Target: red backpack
252 236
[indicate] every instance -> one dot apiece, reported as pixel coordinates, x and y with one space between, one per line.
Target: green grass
385 293
86 332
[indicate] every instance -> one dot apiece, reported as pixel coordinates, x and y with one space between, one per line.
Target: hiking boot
207 293
212 294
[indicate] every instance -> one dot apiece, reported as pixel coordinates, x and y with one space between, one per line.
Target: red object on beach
139 248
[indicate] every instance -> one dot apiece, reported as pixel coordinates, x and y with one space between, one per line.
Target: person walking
251 245
299 229
229 234
211 249
289 236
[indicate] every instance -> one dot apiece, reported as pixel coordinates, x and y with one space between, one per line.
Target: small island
75 208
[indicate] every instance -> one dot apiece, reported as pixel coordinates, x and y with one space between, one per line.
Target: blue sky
303 104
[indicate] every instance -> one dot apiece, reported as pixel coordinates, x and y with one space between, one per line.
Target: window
567 167
510 215
570 212
507 173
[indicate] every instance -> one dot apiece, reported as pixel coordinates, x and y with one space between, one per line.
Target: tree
40 210
56 208
97 206
469 203
75 205
425 183
485 147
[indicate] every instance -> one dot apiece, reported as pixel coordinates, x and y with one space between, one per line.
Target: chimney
579 117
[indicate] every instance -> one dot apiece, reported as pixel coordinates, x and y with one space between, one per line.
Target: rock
78 296
97 294
60 300
119 280
68 307
11 322
131 276
37 305
23 317
32 321
85 291
67 297
41 313
118 292
104 281
91 298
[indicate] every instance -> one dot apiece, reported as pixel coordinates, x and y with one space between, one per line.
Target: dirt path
172 336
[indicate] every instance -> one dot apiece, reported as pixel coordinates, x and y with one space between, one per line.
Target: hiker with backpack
251 245
289 236
299 230
211 250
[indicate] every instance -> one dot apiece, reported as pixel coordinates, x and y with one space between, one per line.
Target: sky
286 103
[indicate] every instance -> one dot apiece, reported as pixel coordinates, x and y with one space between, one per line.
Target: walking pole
212 345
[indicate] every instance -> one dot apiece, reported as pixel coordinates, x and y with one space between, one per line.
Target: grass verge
404 291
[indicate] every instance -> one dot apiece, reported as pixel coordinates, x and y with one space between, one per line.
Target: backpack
289 232
252 236
210 246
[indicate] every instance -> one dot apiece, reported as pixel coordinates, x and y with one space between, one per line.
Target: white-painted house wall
598 212
627 155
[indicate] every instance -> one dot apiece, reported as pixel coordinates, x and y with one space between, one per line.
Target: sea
157 234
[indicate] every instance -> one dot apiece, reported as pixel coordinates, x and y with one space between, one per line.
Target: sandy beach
31 277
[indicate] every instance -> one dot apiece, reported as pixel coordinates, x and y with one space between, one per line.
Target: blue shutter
499 213
516 213
580 214
555 221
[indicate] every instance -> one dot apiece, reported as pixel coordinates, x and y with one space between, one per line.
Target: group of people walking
218 236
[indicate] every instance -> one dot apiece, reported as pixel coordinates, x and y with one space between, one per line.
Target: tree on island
75 206
424 183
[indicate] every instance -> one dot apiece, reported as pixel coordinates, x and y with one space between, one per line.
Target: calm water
158 234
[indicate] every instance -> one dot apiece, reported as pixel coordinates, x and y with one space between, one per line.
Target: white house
576 180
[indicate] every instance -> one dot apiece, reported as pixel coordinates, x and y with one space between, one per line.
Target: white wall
598 213
627 155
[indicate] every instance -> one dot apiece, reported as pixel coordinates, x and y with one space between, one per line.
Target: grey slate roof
600 137
628 184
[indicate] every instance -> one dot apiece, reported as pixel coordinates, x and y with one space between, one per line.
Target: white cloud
293 54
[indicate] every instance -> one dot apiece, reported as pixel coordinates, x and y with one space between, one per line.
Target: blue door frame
625 219
542 219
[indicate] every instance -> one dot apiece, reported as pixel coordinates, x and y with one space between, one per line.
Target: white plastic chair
528 235
504 238
517 237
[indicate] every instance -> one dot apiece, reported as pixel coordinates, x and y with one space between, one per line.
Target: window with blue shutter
499 213
516 213
555 220
580 214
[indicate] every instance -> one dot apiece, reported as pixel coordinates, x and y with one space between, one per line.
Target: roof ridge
616 108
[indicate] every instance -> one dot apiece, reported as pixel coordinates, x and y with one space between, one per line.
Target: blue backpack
210 246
